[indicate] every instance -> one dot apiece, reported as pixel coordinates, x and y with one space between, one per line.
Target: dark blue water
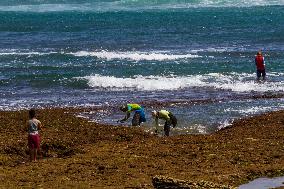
195 58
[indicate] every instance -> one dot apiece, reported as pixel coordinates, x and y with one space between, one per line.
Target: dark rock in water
162 182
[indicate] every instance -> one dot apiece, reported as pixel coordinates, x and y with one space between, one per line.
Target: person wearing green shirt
168 117
139 114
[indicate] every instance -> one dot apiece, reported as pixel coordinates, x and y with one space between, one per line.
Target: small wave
128 5
221 49
108 55
244 83
134 55
253 110
232 81
249 110
26 53
45 8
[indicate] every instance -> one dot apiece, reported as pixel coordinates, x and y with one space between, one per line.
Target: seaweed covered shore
81 154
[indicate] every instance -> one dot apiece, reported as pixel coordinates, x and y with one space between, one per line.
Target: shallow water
195 59
193 117
264 183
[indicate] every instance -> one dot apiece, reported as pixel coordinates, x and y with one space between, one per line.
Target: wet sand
84 154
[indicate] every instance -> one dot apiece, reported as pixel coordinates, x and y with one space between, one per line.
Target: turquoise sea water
195 58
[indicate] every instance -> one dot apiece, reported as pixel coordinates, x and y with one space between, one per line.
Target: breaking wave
136 56
232 81
108 55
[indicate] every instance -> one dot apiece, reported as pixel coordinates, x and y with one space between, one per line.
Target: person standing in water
168 117
260 66
139 114
33 127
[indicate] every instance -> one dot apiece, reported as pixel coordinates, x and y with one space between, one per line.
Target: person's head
123 108
259 53
32 113
154 113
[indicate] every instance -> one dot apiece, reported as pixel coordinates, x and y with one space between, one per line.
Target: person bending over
139 114
168 117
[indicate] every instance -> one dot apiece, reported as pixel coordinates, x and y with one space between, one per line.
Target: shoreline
89 155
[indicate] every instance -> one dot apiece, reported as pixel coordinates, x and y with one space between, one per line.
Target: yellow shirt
162 114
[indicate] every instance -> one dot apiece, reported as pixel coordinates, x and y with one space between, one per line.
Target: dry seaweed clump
162 182
76 153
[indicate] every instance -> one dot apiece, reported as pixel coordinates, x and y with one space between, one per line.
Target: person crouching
139 114
168 117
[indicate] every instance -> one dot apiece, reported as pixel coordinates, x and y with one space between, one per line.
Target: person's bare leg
31 154
35 154
135 119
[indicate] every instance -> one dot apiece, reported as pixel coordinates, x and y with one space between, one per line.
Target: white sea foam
255 109
108 55
198 128
231 81
248 110
138 82
46 8
220 49
25 53
134 55
224 124
243 83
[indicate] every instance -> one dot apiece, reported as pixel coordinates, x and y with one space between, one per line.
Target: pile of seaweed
78 153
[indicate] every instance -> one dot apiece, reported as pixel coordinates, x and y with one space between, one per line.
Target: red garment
259 62
34 141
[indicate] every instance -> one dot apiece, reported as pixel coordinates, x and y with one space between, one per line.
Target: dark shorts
260 73
167 128
138 117
141 113
34 141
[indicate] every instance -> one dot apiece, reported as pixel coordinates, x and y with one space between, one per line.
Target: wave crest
127 5
232 81
108 55
136 56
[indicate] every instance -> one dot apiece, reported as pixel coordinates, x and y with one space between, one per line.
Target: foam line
232 81
134 55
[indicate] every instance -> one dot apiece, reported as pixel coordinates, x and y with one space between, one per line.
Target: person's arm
156 124
126 117
39 125
263 61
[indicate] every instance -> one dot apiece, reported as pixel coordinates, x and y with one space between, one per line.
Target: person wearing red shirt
260 66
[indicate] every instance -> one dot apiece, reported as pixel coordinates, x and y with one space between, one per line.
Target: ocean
194 58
